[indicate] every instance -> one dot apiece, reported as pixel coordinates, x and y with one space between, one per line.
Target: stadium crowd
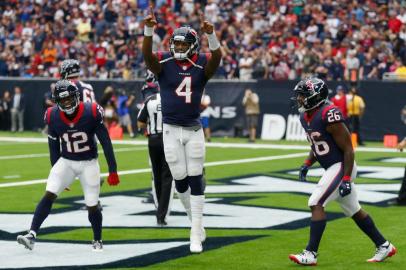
282 39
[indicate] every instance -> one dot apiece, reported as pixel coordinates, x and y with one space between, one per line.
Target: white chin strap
68 111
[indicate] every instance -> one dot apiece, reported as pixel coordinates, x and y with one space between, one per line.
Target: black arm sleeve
143 114
103 136
54 146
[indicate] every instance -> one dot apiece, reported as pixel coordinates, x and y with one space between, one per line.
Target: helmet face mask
70 68
184 43
310 94
66 96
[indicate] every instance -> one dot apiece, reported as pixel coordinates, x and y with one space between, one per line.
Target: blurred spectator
340 100
308 37
355 109
17 110
245 64
5 104
108 102
205 116
124 101
251 104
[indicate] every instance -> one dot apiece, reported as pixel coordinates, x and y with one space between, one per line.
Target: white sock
33 233
197 204
185 200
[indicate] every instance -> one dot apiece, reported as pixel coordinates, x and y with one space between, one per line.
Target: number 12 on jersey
185 89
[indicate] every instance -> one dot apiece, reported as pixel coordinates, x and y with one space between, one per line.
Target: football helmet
184 34
66 96
310 93
70 68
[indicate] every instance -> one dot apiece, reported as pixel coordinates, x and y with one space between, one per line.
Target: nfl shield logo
71 125
184 67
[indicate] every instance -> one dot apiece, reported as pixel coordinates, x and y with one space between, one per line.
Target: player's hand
113 179
303 172
150 20
344 188
206 27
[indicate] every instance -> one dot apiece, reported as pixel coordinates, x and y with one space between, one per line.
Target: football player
72 126
182 74
331 146
70 70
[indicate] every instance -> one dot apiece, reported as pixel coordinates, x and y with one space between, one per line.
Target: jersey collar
185 64
76 119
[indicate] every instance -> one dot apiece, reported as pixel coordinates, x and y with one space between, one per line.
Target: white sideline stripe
207 164
129 149
219 145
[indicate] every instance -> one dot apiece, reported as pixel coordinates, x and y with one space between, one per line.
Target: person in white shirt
205 116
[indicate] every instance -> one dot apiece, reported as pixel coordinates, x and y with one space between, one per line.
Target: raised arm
214 46
151 61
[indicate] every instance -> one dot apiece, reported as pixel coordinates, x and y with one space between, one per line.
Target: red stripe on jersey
323 113
49 111
77 117
159 55
208 56
308 118
94 110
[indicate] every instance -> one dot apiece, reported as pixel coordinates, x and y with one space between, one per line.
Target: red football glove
113 179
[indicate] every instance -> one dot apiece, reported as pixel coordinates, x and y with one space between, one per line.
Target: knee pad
177 169
195 158
182 185
196 185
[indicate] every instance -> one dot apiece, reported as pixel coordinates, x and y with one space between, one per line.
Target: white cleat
202 235
97 245
27 240
382 252
305 258
196 247
195 242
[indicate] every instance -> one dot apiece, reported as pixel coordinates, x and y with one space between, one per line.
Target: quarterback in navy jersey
73 153
182 74
331 146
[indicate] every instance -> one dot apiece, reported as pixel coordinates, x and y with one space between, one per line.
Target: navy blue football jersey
85 91
181 88
323 145
75 139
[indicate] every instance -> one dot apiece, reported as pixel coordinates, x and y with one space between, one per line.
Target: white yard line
216 145
207 164
40 155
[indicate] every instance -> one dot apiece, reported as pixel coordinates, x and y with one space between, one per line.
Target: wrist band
346 178
214 44
307 162
148 31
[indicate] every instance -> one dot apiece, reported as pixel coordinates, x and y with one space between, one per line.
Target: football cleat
202 235
195 242
196 246
382 252
97 245
27 240
305 258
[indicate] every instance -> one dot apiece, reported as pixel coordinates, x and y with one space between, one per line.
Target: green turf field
255 214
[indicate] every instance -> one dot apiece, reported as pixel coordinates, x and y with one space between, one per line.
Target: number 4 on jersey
185 89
